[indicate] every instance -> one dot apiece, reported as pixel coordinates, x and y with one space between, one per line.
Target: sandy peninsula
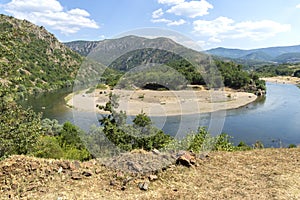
162 103
283 79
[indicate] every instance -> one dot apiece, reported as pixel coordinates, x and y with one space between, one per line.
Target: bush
101 86
48 147
243 146
73 153
140 135
292 146
19 128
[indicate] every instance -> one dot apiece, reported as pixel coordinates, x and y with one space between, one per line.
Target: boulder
144 186
187 159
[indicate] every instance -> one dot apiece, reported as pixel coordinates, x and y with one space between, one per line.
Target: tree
140 135
19 128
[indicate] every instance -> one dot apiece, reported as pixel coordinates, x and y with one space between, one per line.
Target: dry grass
257 174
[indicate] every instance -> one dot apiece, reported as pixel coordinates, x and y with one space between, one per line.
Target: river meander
273 119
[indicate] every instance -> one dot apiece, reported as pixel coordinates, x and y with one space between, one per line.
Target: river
273 119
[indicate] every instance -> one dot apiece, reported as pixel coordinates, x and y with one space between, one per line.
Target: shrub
48 147
202 141
243 146
292 146
101 86
19 128
140 135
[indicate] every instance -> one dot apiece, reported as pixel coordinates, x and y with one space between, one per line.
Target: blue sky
209 23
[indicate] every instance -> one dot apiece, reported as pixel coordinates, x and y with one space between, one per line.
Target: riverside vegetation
33 61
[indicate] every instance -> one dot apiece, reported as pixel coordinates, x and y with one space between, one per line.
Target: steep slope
82 47
32 59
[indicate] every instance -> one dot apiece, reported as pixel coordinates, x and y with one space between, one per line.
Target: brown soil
283 79
256 174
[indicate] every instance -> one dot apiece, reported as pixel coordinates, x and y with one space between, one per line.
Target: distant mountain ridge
284 54
106 51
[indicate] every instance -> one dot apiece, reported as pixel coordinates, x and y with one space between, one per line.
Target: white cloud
79 12
157 13
50 13
169 22
214 27
170 2
191 9
162 20
176 23
298 6
223 27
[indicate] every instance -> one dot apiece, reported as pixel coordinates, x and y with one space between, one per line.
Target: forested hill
122 55
270 55
32 59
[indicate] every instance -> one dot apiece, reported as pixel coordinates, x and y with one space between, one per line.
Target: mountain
124 54
82 47
270 54
228 53
106 51
32 59
288 58
137 61
258 55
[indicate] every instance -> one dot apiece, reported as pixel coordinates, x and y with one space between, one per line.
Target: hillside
82 47
32 59
286 54
107 51
128 54
255 174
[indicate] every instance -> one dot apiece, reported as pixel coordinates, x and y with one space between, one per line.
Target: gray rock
144 186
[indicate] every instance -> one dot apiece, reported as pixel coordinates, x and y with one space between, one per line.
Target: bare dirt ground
283 79
163 103
255 174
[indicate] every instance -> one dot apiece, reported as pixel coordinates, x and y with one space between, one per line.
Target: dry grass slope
257 174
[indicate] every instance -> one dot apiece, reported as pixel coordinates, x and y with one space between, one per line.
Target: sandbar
162 103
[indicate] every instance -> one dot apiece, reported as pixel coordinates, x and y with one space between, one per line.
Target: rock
60 170
123 188
144 186
76 176
120 175
74 165
127 180
86 174
112 183
203 156
135 166
34 166
64 165
153 177
155 151
187 159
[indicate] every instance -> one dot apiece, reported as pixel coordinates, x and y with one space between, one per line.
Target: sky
246 24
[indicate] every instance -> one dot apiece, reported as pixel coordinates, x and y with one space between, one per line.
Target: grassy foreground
255 174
